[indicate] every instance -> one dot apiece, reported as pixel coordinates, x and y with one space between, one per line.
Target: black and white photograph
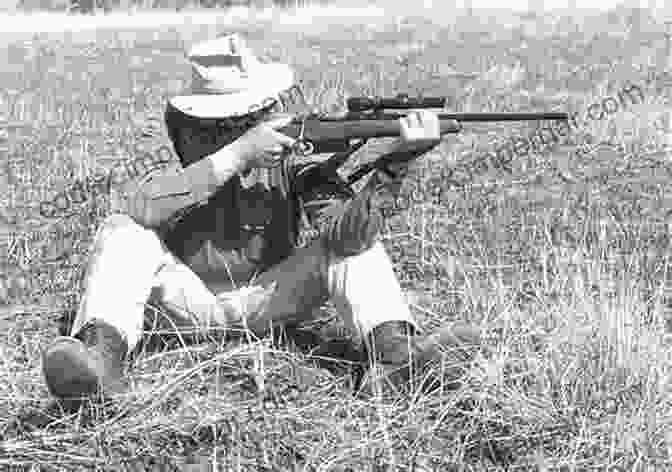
335 236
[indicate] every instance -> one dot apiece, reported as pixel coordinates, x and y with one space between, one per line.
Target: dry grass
569 278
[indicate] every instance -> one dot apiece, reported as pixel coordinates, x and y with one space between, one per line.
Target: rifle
365 118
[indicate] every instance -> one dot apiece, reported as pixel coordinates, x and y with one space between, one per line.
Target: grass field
564 261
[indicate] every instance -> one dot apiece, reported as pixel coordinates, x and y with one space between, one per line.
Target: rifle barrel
374 105
503 116
464 117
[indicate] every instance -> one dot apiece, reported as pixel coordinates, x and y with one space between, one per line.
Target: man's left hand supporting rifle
213 245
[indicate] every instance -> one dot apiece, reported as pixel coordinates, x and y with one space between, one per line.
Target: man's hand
247 303
420 130
420 126
262 146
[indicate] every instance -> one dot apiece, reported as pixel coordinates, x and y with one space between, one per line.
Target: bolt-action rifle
366 118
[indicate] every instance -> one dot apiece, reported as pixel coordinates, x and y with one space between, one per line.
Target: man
214 244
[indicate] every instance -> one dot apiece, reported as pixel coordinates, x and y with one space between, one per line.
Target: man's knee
117 220
355 229
122 229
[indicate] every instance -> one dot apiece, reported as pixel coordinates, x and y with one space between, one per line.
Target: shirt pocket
165 185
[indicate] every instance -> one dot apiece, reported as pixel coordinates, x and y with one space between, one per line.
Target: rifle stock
331 135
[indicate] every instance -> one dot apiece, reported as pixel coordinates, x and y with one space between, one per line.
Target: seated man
215 242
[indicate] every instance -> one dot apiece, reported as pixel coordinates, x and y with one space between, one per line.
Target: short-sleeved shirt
246 226
226 233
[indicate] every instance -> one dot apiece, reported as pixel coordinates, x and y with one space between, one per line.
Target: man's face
197 142
197 139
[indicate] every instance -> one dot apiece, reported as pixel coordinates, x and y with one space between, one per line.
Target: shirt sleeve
159 197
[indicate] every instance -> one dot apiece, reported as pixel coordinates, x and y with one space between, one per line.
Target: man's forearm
163 195
417 146
226 163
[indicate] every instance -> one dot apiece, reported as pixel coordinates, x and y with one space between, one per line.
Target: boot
331 347
403 352
89 363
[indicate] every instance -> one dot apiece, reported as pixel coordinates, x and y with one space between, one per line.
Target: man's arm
160 197
420 133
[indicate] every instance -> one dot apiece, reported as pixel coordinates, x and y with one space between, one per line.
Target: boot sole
68 369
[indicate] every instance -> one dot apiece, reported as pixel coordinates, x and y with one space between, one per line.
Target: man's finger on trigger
283 139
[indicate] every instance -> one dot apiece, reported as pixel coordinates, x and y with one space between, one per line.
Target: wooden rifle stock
316 129
330 135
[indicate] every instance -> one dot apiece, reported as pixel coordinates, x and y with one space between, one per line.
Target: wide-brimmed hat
228 80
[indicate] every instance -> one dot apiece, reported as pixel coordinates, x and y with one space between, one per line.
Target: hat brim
269 81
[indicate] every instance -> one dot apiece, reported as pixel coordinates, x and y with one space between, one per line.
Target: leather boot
89 363
403 352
